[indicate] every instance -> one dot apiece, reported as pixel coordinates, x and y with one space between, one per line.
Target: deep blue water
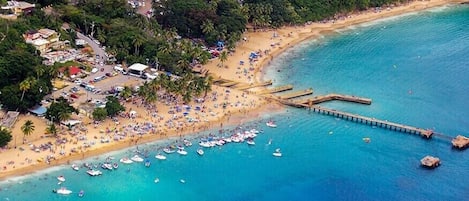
414 67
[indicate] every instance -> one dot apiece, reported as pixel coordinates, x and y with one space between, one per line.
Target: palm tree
138 41
27 129
207 85
223 57
25 85
184 65
64 116
126 92
52 129
40 70
5 136
207 27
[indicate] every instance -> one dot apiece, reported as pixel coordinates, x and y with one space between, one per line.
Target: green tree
52 129
25 85
99 114
27 128
60 110
113 107
5 136
223 57
126 92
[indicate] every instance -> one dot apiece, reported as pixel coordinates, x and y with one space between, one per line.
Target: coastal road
97 49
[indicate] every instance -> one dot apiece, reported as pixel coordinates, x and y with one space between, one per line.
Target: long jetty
373 122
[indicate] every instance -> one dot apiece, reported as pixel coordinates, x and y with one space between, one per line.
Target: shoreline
290 37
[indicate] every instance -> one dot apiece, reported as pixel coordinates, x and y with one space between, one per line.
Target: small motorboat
160 157
187 143
81 193
126 160
61 178
205 144
200 151
277 153
107 166
182 181
156 180
62 191
115 165
271 124
250 142
168 150
147 163
182 152
366 140
75 167
94 172
137 158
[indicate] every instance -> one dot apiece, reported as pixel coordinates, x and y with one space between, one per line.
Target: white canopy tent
137 69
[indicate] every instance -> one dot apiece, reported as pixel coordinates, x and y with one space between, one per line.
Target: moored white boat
277 153
107 166
250 142
115 165
187 143
62 191
61 178
75 167
168 150
94 172
137 158
200 151
182 152
205 144
271 124
160 157
126 160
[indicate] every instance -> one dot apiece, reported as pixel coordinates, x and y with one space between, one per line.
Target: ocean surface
414 67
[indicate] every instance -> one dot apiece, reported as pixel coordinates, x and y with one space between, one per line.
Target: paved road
97 49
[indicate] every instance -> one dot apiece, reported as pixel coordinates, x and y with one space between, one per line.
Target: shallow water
415 69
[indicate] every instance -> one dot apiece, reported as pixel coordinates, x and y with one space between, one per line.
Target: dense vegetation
132 37
25 81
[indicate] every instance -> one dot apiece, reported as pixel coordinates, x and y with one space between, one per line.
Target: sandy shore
240 106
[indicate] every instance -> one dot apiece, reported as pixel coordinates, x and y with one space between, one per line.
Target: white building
137 69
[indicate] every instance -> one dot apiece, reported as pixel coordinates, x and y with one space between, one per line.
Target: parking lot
96 87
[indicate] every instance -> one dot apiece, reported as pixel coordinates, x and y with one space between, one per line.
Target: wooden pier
276 89
296 94
331 97
254 85
374 122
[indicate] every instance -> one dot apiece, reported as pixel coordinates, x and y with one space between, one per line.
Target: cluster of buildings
47 42
13 9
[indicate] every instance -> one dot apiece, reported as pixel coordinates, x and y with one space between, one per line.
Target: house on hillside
15 8
41 39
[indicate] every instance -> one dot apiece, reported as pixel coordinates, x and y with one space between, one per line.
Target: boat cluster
239 137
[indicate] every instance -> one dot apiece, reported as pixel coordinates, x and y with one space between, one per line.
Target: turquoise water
415 69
